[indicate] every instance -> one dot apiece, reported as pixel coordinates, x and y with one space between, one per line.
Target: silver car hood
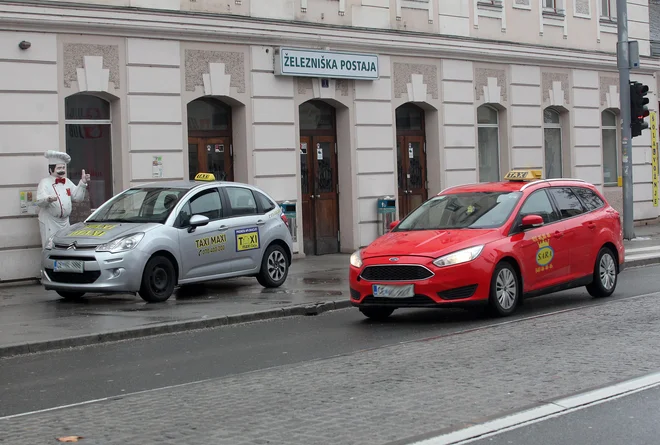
94 234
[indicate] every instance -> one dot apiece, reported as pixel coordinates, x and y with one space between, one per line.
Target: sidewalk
33 320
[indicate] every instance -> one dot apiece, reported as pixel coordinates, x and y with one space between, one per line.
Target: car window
266 204
242 201
539 204
470 210
140 205
206 203
569 205
589 198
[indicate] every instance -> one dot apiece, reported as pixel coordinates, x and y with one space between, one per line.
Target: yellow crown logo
542 241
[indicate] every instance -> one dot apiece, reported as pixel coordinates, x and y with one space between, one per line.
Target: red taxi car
493 243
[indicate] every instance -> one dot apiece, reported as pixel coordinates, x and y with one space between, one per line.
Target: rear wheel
376 313
504 290
605 275
274 267
70 295
158 280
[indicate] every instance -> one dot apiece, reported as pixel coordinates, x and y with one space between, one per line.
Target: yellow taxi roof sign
205 177
523 175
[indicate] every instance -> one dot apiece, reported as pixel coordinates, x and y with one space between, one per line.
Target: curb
171 328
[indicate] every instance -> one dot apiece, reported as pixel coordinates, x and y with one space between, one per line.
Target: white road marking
544 412
643 249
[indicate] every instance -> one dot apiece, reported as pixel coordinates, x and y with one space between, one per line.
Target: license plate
383 291
72 266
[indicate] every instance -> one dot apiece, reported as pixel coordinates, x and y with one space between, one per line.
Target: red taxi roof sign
205 177
523 175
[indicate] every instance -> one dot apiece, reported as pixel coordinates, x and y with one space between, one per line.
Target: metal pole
623 62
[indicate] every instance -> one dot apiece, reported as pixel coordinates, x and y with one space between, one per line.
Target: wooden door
411 168
214 155
318 161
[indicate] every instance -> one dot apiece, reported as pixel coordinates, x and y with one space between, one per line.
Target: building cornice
234 29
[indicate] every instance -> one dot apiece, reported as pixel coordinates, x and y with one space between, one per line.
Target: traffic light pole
623 62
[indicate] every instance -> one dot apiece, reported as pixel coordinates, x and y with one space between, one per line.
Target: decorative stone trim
197 63
75 58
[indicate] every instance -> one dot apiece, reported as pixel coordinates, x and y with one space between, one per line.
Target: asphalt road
632 419
41 381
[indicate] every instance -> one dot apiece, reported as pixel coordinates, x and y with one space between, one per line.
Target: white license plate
72 266
383 291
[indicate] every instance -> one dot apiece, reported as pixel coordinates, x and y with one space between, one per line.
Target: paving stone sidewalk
382 395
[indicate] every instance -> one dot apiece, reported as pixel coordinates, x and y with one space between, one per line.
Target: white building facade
426 94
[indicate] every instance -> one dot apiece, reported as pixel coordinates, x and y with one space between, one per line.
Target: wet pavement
29 314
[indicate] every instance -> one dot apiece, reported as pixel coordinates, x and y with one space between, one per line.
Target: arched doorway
89 143
210 147
318 176
411 158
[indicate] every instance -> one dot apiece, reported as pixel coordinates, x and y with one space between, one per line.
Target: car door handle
558 234
222 228
591 225
261 222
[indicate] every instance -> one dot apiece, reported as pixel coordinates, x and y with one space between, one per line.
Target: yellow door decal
247 239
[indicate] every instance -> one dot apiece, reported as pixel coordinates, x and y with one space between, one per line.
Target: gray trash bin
386 213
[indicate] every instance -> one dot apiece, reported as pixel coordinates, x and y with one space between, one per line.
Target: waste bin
289 210
386 213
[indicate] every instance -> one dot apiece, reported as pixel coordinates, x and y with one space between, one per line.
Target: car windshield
474 210
143 205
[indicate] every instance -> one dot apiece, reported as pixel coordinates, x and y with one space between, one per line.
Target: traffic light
638 107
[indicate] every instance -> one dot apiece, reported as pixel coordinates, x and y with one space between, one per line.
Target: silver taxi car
153 237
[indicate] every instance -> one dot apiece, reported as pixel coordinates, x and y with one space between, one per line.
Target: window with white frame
552 143
610 138
488 136
553 6
608 9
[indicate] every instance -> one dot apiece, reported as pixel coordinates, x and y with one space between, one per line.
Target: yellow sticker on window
247 239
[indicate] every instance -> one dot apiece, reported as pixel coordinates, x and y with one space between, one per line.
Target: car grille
458 293
396 273
66 247
74 278
416 301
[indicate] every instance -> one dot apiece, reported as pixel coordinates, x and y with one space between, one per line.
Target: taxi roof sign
205 177
523 175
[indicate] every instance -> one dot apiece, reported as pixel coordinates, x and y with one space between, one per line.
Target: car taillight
284 218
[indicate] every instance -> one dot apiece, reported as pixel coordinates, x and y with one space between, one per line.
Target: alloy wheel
505 288
276 265
607 271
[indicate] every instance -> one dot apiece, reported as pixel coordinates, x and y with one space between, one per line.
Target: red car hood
428 243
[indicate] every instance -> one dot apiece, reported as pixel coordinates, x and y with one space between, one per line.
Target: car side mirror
531 221
197 221
393 224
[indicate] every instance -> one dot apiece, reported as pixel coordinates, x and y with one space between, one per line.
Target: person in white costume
55 194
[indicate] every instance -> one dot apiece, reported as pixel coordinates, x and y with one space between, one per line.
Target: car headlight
356 259
49 243
461 256
123 244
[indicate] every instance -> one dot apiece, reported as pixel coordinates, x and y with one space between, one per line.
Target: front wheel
158 280
274 267
504 290
70 296
605 275
376 313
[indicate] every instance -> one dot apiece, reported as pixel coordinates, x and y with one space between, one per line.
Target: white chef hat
57 157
